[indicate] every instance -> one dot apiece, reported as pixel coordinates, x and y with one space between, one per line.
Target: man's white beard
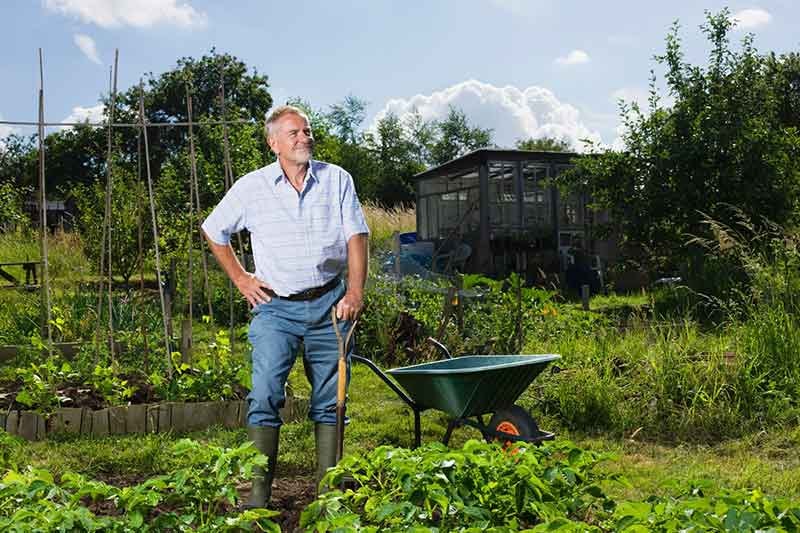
303 156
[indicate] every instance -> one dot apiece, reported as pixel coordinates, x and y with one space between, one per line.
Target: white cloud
87 46
511 113
750 18
136 13
575 57
86 114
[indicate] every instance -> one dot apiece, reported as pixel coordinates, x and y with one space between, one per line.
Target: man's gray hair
277 113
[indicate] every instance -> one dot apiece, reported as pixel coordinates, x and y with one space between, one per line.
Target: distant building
60 213
502 206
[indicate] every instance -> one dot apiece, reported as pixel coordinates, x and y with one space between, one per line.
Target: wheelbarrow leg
417 430
450 427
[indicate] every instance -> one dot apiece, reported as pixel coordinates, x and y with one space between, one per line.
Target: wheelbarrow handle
441 346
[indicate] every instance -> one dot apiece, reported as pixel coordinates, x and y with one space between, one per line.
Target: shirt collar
275 172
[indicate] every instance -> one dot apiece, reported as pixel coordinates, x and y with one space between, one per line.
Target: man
306 226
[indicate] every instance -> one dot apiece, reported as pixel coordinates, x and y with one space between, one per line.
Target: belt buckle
305 295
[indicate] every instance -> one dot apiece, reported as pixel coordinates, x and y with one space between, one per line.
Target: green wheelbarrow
469 387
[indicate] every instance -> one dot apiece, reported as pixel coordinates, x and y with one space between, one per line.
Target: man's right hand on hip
252 289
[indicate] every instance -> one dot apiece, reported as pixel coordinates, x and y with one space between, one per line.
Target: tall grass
66 260
384 221
681 380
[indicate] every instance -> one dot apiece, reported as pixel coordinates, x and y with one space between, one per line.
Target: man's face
292 140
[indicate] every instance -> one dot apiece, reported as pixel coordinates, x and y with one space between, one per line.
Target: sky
524 68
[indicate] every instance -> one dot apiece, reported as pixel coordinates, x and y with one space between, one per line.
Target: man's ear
270 144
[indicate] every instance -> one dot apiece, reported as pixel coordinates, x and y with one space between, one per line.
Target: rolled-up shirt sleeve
227 218
353 220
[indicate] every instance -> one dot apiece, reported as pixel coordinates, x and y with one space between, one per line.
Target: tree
347 117
727 140
455 137
784 70
395 161
422 136
129 196
544 144
19 161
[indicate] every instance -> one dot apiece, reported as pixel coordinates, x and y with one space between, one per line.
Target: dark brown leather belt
308 294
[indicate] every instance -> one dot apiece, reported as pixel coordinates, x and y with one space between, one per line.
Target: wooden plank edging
178 417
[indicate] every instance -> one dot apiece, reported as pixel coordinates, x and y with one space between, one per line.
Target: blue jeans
276 330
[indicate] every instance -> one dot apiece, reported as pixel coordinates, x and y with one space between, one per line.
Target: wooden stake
155 229
186 329
204 256
196 186
109 188
228 184
140 237
43 212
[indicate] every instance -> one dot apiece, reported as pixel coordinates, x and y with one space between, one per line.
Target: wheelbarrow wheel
513 421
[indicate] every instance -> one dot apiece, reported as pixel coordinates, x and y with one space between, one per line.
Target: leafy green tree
347 117
727 140
345 120
394 152
18 177
456 136
128 199
76 155
18 160
545 144
12 200
421 135
784 71
246 97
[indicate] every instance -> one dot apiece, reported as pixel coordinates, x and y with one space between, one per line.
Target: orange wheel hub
508 427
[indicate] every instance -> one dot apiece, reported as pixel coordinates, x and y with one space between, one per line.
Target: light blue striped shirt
299 240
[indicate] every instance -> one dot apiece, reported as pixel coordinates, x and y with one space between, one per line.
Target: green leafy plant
199 495
40 383
481 486
214 374
105 380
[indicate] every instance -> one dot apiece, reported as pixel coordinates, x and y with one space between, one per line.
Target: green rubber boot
266 441
325 436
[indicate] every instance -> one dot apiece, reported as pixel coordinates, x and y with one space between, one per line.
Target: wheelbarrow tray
472 384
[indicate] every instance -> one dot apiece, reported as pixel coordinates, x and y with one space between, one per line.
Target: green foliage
40 382
456 136
106 381
126 208
393 148
673 380
545 144
199 495
12 199
399 316
9 449
740 511
18 161
480 486
19 316
214 374
729 138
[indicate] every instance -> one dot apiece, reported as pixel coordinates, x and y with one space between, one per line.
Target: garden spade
341 386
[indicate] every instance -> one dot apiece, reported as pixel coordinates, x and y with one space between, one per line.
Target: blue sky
520 67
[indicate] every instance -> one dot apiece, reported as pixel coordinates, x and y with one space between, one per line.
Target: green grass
767 460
